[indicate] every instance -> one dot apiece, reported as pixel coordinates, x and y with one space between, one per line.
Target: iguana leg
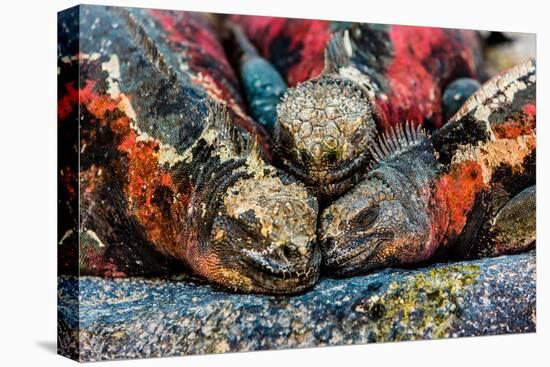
497 225
514 226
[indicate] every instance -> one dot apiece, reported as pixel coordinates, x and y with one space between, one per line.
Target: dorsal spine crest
397 140
338 52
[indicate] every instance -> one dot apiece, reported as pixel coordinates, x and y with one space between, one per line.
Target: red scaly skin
424 60
413 64
295 46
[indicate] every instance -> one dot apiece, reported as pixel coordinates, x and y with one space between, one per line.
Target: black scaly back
212 177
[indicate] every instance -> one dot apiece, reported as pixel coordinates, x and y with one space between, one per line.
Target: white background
28 182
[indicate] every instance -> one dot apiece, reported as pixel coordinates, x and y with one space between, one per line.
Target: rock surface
136 318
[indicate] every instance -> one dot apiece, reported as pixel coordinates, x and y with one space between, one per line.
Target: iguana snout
370 228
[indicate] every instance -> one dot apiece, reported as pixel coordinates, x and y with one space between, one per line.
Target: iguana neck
412 176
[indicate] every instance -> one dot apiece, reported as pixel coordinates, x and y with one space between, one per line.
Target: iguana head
264 236
253 226
324 128
369 228
384 220
325 125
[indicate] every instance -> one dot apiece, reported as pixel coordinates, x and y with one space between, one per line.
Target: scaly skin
324 129
294 46
262 85
466 193
339 101
164 180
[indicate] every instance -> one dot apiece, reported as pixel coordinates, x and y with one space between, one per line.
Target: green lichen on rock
421 306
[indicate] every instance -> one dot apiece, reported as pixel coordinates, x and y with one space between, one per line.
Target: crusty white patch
493 95
112 67
81 56
351 73
347 43
94 236
490 155
490 96
126 106
167 154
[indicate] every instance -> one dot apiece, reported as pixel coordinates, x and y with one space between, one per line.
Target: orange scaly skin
467 192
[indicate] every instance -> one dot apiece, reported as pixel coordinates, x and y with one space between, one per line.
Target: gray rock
136 318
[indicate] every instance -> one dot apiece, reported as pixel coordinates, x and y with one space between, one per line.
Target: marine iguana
467 192
154 175
342 95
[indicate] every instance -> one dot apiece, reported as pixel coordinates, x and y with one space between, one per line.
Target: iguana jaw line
339 262
278 277
267 271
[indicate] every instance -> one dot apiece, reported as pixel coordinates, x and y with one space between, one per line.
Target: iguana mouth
272 274
331 175
353 257
331 181
280 262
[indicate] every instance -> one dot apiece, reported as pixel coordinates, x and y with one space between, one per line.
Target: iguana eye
331 156
305 157
248 223
366 217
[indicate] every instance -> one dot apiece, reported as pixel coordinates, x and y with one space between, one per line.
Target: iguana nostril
331 156
305 157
